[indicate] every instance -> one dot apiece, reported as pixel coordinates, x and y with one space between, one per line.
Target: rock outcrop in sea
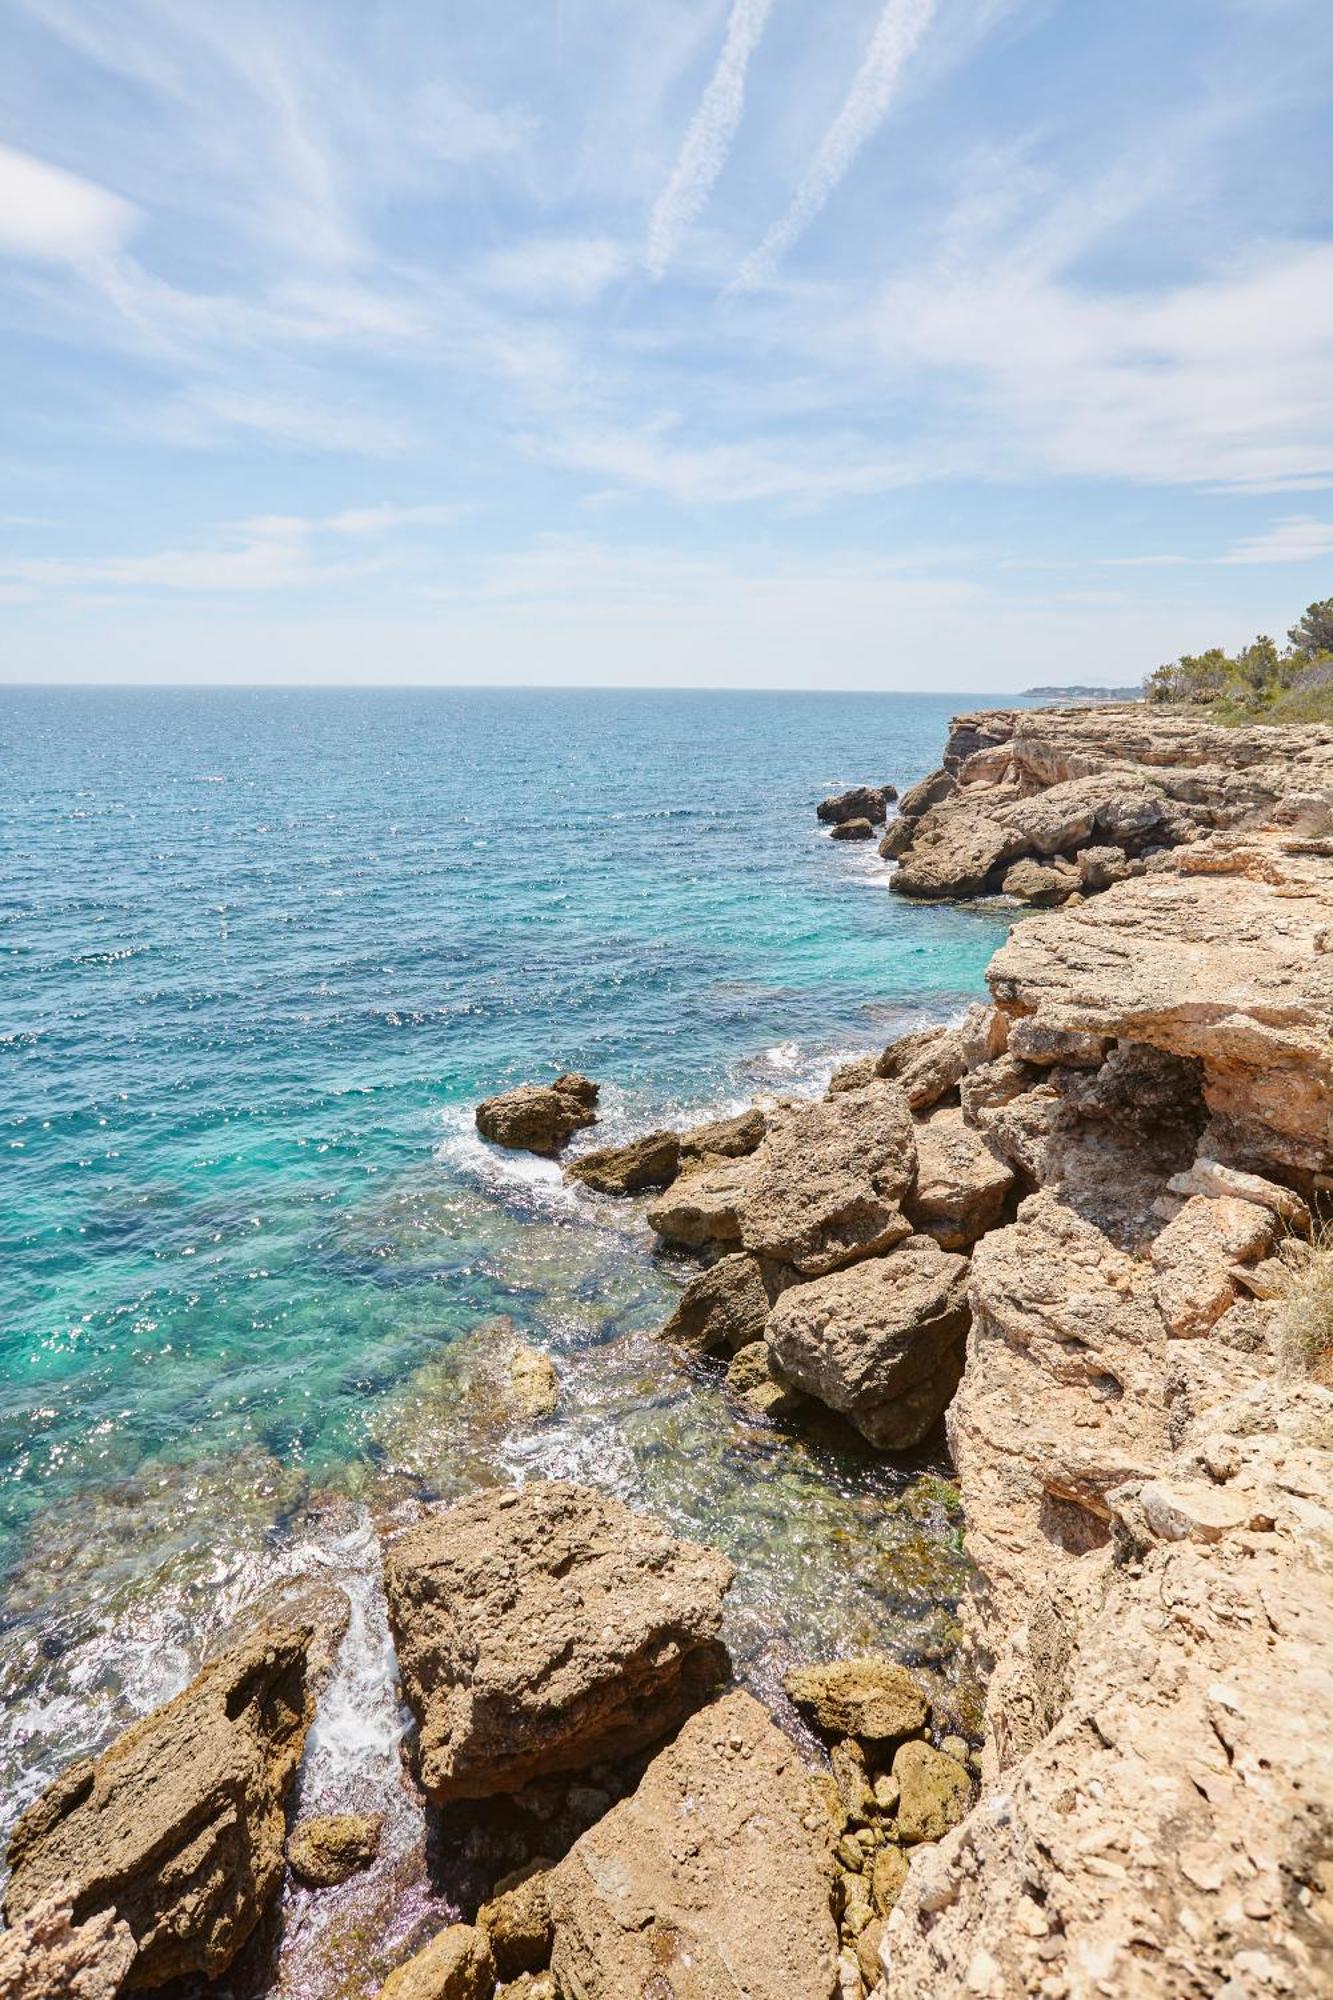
540 1117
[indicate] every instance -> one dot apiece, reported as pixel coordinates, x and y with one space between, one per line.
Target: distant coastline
1084 693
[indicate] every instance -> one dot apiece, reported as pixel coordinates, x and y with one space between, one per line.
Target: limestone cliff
1145 1469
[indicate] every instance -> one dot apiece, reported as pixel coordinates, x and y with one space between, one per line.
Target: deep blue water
262 951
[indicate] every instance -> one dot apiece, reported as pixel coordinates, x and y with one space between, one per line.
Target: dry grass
1306 1323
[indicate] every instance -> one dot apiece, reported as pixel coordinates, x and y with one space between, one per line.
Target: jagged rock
702 1207
725 1138
47 1956
327 1848
961 1185
457 1965
714 1879
753 1380
1193 1255
724 1306
983 1035
871 1698
926 1065
931 791
852 829
826 1186
546 1629
178 1829
1099 867
517 1921
933 1792
897 839
1033 1041
881 1342
865 802
853 1075
1030 882
539 1117
1210 1177
1217 968
650 1162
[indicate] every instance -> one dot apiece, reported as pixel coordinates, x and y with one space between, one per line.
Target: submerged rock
754 1381
715 1879
863 802
546 1629
178 1829
327 1848
539 1117
882 1342
871 1698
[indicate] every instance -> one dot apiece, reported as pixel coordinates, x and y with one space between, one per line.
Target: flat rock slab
546 1629
712 1882
881 1342
178 1829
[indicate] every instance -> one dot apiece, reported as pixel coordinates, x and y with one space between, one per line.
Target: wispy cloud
901 28
708 140
1299 538
48 214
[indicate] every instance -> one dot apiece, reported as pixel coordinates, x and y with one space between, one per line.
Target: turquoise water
262 953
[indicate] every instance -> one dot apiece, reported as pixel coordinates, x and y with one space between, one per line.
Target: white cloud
48 214
1298 538
901 28
708 140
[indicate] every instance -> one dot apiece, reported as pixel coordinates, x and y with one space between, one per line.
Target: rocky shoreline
1071 1224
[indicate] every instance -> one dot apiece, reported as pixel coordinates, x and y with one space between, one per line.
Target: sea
261 952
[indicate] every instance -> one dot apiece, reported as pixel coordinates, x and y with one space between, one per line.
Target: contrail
708 141
901 27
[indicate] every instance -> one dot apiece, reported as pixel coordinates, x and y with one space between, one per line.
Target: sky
903 344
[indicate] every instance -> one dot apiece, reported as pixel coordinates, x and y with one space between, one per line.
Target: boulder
826 1186
852 829
881 1342
934 1792
517 1921
1030 882
1192 1256
897 839
862 802
539 1117
754 1381
853 1075
546 1629
725 1138
177 1831
650 1162
327 1848
724 1306
870 1698
714 1881
457 1965
47 1956
702 1206
961 1185
1099 867
926 1064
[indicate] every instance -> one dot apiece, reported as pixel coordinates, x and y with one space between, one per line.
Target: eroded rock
325 1849
714 1879
545 1629
869 1697
864 802
539 1117
826 1186
177 1831
457 1965
961 1184
724 1306
882 1342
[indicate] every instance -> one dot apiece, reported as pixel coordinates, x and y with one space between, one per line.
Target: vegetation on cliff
1262 682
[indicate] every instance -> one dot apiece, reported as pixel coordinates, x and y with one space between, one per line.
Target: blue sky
936 344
